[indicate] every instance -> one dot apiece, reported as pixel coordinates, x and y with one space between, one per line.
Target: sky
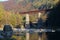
3 0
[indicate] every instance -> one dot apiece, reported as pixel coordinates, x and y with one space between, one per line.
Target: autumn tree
2 11
45 3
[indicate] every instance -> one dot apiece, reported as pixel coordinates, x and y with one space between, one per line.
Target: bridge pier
27 26
42 36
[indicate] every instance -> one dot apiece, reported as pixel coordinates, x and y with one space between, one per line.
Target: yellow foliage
55 1
8 17
37 4
44 17
33 17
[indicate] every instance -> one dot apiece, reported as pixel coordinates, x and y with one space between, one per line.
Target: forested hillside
28 5
9 10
